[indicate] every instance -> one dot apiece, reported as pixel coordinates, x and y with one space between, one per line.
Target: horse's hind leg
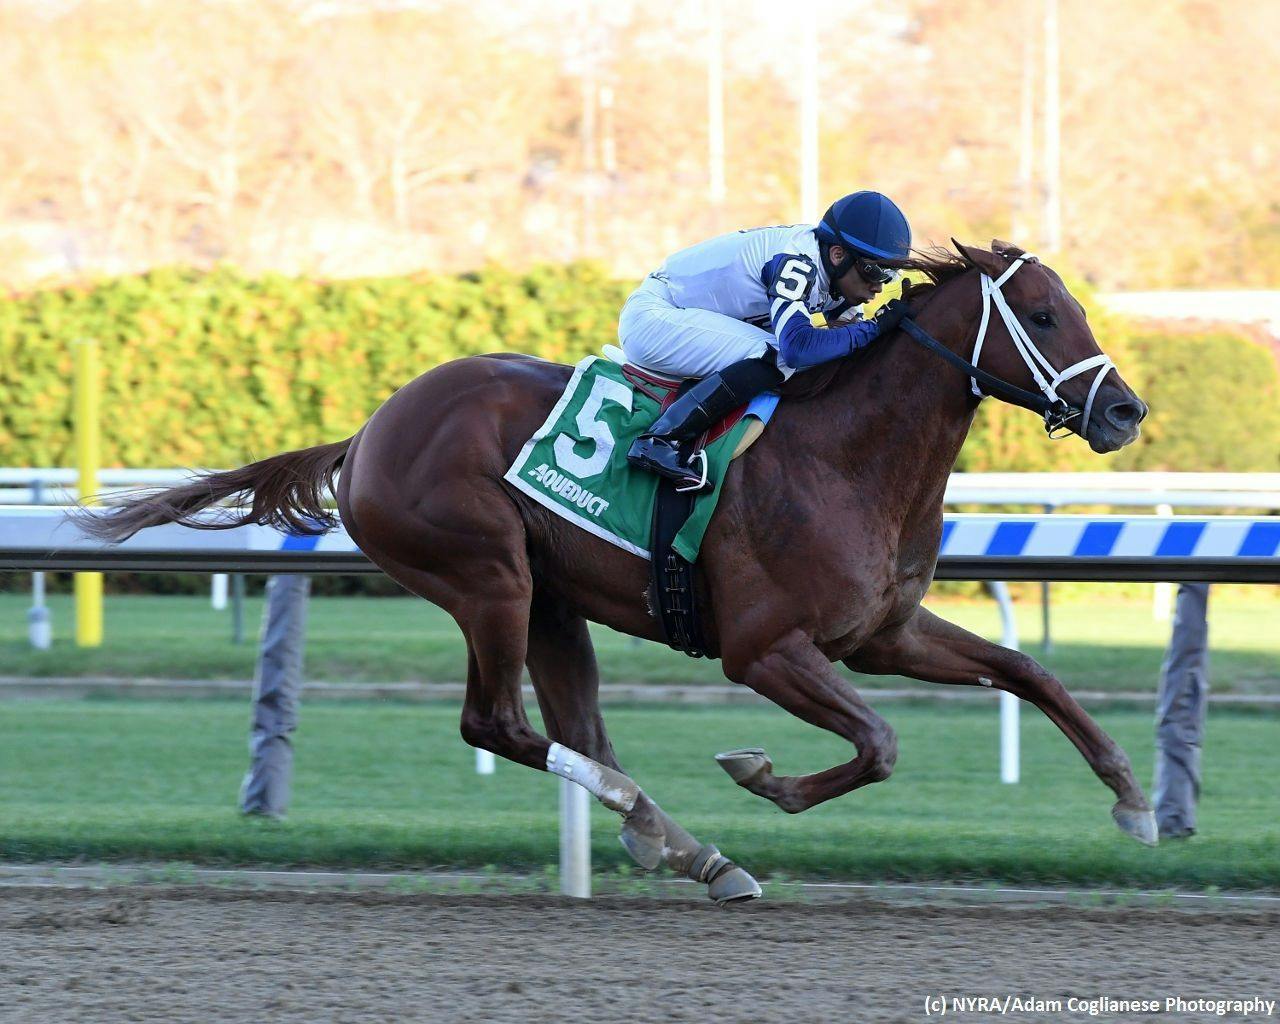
934 650
562 664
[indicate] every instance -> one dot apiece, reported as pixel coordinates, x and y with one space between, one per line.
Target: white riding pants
658 335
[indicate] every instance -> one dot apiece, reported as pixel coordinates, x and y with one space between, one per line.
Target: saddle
665 390
672 579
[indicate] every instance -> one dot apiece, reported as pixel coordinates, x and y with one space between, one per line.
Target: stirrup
701 485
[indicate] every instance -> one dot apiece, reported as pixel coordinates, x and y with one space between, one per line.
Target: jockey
735 310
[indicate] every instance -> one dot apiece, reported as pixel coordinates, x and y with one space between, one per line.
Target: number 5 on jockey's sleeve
789 278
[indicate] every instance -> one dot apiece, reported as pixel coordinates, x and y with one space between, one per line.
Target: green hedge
1215 404
1214 398
217 368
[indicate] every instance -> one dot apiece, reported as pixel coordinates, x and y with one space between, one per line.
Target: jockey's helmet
868 223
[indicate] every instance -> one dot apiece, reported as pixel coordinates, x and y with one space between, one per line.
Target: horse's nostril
1126 414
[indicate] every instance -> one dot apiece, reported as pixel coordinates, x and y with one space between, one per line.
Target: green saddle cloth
576 463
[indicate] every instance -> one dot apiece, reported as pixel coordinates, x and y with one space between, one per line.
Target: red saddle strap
643 381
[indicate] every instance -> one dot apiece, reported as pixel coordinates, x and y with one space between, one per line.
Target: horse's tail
288 491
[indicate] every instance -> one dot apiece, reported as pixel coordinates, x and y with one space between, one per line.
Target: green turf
392 786
1101 642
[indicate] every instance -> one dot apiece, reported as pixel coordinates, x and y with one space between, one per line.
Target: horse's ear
985 260
1007 249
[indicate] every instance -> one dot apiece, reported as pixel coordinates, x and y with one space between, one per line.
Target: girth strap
672 580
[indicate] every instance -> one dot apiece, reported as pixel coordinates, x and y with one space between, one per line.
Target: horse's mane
937 263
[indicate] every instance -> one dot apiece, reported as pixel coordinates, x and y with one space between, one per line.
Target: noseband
1057 412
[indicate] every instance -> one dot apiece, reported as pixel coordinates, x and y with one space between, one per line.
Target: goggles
873 273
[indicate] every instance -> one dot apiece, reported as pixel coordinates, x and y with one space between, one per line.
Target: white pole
608 143
218 592
575 840
39 628
715 103
1010 754
1026 149
1052 132
484 762
587 130
808 25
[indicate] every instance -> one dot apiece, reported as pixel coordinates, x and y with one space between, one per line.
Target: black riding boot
693 414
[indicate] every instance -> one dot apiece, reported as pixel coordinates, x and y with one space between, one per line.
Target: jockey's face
852 286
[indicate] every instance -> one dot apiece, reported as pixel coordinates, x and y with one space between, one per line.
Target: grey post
1180 711
276 687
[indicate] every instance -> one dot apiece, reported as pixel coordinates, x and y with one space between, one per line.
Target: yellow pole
87 426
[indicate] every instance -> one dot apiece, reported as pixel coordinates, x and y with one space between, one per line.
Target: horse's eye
1042 319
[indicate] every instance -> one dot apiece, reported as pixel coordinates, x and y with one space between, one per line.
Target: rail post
575 840
1010 739
88 585
237 608
277 694
39 627
1180 712
1046 635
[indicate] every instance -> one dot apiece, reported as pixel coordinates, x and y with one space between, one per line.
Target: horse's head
1034 335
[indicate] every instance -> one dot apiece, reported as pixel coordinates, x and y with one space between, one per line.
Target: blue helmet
869 223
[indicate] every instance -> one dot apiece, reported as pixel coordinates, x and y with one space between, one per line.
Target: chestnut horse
822 548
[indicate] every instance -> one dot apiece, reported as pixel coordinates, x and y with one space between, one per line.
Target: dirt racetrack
146 954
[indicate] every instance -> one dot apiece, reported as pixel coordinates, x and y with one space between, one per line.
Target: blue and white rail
1219 549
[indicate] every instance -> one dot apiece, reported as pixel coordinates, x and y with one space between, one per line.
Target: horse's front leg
934 650
796 676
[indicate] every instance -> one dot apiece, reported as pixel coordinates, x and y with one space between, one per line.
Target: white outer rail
975 546
1143 490
1147 490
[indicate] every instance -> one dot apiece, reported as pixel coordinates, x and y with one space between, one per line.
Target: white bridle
1036 362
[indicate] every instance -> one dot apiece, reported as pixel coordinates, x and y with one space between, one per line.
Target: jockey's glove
891 314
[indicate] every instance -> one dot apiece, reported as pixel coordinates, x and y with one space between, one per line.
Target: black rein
1056 414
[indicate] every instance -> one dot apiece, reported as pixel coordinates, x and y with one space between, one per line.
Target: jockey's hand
891 314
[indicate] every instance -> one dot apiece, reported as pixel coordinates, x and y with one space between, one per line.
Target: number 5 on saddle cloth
576 466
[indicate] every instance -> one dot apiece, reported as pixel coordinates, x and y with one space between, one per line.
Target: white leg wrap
611 788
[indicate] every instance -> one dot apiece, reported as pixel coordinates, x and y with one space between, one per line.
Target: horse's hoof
745 764
734 886
1139 822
